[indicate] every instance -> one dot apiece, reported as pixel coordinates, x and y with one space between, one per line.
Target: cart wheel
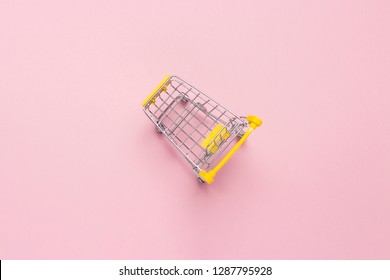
185 98
200 180
160 128
201 107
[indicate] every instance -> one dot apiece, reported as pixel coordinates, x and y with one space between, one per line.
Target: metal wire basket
199 127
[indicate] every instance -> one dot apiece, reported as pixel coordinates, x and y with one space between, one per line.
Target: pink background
83 174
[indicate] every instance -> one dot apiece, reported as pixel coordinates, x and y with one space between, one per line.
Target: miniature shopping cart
200 128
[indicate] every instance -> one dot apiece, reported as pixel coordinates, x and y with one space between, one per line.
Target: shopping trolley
199 127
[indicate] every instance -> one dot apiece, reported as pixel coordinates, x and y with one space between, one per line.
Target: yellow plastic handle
208 177
155 91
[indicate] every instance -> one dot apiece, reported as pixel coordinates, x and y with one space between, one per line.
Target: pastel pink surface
83 174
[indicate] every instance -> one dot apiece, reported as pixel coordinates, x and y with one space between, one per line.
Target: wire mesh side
186 116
